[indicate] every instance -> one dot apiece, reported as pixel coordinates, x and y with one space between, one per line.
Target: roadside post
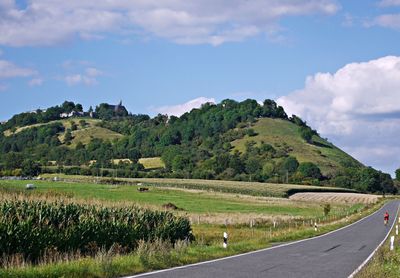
391 243
397 230
225 240
316 226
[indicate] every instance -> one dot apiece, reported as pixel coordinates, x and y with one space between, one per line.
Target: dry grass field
337 198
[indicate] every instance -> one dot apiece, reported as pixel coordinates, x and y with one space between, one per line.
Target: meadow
252 222
235 187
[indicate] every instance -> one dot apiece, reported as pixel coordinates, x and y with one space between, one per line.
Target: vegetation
31 228
241 141
158 254
245 188
384 264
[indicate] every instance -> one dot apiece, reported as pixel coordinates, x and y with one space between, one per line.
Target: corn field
31 228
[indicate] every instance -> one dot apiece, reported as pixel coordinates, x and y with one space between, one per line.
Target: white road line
376 249
249 253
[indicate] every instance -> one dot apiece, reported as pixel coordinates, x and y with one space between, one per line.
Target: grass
82 134
236 187
152 162
158 255
194 202
385 263
87 134
282 134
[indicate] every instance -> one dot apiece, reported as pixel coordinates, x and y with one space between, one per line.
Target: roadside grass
159 255
385 263
282 134
236 187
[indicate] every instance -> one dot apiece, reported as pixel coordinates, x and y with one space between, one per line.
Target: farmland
246 188
252 222
352 198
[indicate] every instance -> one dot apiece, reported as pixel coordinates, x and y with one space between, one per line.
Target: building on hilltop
119 108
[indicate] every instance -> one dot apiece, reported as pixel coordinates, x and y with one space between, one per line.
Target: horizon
333 63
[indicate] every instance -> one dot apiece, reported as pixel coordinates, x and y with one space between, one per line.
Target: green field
285 135
186 200
235 187
293 218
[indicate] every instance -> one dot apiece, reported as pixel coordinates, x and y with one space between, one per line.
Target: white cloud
93 72
386 20
35 82
10 70
88 78
389 3
180 109
48 22
358 107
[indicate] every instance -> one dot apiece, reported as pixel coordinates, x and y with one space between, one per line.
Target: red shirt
386 216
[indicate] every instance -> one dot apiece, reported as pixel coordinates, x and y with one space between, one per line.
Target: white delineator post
391 243
225 240
397 230
315 226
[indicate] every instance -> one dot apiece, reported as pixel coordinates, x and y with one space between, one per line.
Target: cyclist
386 218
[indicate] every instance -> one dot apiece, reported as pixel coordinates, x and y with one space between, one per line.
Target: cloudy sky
334 63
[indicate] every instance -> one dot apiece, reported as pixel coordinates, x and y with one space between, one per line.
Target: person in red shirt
386 218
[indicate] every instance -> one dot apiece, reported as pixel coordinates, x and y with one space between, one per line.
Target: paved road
334 255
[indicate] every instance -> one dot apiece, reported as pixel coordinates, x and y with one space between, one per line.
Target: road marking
252 252
376 249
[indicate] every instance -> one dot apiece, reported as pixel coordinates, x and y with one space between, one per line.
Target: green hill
285 136
239 141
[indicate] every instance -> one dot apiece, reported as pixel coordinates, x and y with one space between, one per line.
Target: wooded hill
231 140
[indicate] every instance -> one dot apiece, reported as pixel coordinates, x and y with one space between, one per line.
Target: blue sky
156 56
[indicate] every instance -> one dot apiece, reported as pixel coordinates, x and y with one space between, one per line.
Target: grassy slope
279 133
82 134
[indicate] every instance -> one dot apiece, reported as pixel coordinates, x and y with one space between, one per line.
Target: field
252 222
336 198
152 162
195 202
235 187
282 134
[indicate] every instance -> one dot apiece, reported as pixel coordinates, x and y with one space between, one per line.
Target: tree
30 168
398 174
306 133
309 170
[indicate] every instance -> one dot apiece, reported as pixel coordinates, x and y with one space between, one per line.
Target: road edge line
249 253
358 269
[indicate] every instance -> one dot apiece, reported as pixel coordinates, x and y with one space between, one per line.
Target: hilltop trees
398 174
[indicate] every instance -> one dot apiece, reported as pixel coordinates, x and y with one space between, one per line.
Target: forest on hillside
196 145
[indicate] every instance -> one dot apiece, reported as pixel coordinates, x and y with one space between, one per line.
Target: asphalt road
335 255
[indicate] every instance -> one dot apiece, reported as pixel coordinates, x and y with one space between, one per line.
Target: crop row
32 227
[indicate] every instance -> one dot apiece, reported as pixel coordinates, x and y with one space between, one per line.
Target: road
336 254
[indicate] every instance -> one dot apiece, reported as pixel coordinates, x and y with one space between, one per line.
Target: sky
336 64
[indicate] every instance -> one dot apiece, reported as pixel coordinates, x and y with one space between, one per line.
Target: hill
242 141
285 135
